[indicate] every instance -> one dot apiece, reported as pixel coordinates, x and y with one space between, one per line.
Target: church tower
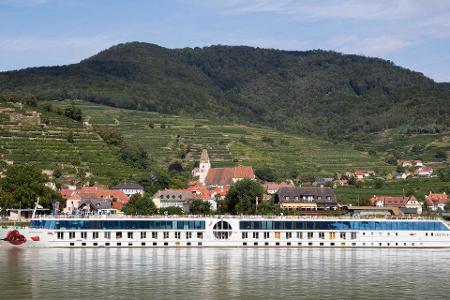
204 166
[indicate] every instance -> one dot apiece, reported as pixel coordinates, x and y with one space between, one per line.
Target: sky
412 33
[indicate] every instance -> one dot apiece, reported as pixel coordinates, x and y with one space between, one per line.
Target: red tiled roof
224 176
391 200
425 169
276 186
434 199
94 193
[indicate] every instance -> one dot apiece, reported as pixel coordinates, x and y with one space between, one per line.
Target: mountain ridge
311 92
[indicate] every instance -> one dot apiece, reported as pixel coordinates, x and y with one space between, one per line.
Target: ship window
255 235
84 235
200 244
83 244
155 244
277 244
95 235
245 235
188 243
300 235
165 235
199 235
60 235
178 235
142 244
223 230
342 235
166 244
353 235
266 235
310 235
130 235
321 235
244 244
71 235
107 235
95 244
255 244
299 244
118 235
154 235
188 235
288 235
72 244
143 235
130 244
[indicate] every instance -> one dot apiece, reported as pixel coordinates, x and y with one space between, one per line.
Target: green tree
444 174
22 186
73 112
140 205
268 208
171 210
110 135
241 197
441 155
199 207
379 183
266 174
70 136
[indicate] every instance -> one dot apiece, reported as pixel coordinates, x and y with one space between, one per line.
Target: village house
272 188
437 202
75 198
129 189
181 198
306 198
401 176
322 181
411 163
362 174
340 182
408 205
424 171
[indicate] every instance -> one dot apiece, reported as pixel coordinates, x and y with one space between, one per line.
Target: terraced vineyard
167 137
40 137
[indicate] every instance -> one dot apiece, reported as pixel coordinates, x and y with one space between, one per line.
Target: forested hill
308 92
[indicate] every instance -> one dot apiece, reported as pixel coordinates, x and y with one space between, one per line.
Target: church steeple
204 158
204 166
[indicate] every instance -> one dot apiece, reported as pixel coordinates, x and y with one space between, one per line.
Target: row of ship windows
129 235
299 235
267 244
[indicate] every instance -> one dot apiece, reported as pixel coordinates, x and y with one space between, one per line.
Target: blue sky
412 33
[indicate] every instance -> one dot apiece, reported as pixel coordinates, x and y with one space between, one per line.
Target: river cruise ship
228 231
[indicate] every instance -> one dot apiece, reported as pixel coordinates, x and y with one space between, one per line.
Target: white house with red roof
361 174
411 163
75 198
400 202
273 187
437 201
425 171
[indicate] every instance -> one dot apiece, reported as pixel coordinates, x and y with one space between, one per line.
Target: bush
73 112
110 135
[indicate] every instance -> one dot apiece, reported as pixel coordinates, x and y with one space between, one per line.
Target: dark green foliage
110 135
171 210
441 155
266 174
378 183
309 92
73 112
268 208
444 174
241 197
140 205
70 136
22 186
135 155
175 167
199 207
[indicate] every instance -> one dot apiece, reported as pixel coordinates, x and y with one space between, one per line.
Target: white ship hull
234 232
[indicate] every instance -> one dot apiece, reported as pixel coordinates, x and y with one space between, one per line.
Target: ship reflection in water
223 273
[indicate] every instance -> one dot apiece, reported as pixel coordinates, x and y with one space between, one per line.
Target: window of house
143 235
245 235
165 235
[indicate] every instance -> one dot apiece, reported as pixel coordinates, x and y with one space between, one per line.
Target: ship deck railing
240 217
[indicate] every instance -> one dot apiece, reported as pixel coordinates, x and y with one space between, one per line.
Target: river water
224 273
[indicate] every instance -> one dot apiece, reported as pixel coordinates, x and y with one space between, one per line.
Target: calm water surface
224 273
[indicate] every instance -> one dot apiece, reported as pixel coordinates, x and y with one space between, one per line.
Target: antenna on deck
35 208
